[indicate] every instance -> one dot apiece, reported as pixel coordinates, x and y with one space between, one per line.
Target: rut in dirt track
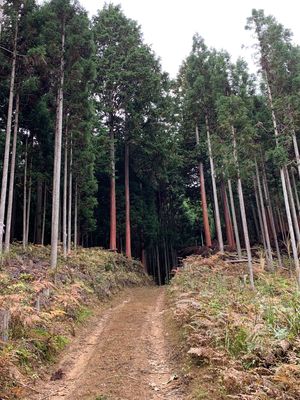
121 355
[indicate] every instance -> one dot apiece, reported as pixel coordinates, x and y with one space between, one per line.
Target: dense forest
99 147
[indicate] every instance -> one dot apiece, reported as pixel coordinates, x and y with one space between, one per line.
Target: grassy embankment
239 344
45 308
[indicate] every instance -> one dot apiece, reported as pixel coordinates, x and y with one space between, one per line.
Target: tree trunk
203 198
296 149
12 178
39 211
70 199
65 195
57 158
243 212
264 219
262 231
44 215
158 266
228 224
296 193
1 15
235 225
213 178
29 204
127 202
25 194
76 217
246 235
255 220
284 189
7 138
113 211
292 206
271 216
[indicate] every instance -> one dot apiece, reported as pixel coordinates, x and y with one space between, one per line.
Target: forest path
121 354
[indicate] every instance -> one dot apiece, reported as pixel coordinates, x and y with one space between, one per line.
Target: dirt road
122 354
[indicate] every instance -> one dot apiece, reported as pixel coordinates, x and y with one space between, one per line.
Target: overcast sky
168 25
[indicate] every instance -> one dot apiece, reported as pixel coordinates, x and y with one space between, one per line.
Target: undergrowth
46 307
247 343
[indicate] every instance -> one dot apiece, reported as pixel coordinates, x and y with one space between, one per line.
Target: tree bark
292 206
65 195
296 150
57 158
7 137
70 198
296 193
243 211
203 198
213 178
39 211
29 203
12 178
228 224
25 194
264 219
44 215
76 217
284 189
246 235
235 225
127 202
262 231
113 211
158 266
271 216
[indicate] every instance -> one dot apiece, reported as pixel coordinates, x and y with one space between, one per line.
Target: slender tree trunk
57 159
158 266
76 217
213 178
65 195
7 138
262 231
264 219
25 194
243 212
296 193
280 224
203 198
1 15
246 235
284 189
235 225
228 224
113 211
271 216
29 203
296 149
255 220
144 259
39 211
44 215
292 206
127 202
70 199
166 279
12 178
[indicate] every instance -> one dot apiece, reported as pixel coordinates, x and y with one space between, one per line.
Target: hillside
242 344
45 308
